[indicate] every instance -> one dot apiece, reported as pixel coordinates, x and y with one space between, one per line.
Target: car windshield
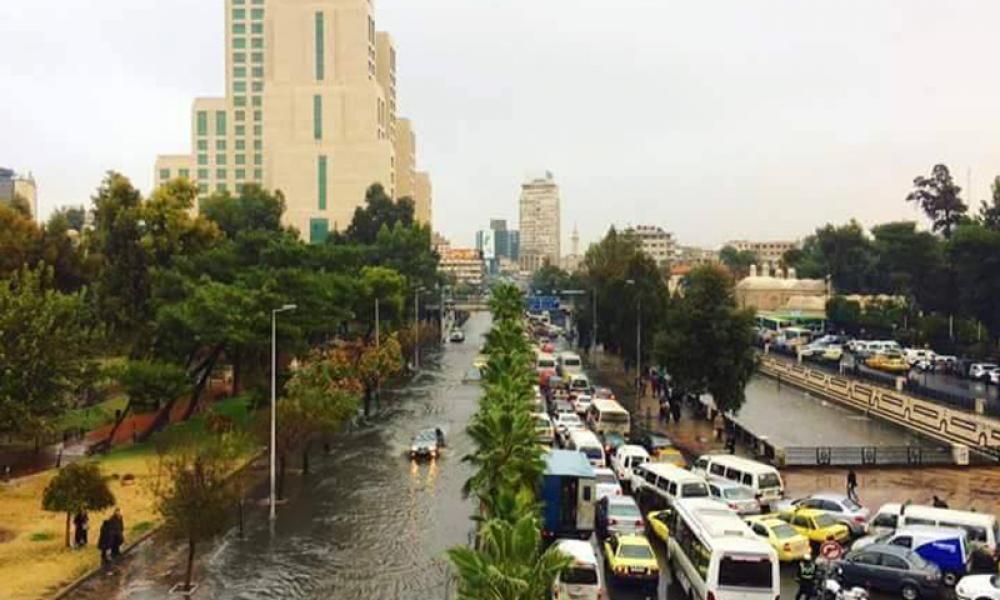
659 442
850 504
768 480
579 575
737 493
427 435
746 572
605 478
694 490
784 531
824 520
593 453
635 551
624 510
614 417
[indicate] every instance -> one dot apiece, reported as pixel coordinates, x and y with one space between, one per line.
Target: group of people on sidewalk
109 540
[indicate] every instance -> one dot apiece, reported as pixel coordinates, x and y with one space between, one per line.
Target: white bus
607 416
586 443
660 485
716 556
764 480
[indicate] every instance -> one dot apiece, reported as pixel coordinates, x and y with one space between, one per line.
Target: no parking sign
831 550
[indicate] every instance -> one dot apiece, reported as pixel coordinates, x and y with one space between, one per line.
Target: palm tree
506 455
506 302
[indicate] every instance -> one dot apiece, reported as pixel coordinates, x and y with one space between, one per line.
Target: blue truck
567 495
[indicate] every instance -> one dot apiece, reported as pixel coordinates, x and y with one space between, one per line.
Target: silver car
839 506
737 497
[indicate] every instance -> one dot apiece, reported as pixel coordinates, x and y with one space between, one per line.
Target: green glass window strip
258 116
203 144
220 173
258 71
256 14
220 159
164 173
320 47
202 159
202 188
220 145
220 122
258 174
239 188
258 86
258 130
257 43
241 115
257 57
258 101
317 117
221 188
257 159
239 72
239 43
241 159
321 175
202 173
239 28
239 2
258 1
241 144
239 14
202 122
185 173
319 231
240 100
257 28
241 173
239 87
239 57
240 130
257 144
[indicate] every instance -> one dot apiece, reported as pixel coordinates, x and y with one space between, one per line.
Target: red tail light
711 595
859 519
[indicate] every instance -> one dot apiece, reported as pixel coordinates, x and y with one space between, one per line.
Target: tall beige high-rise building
540 223
310 110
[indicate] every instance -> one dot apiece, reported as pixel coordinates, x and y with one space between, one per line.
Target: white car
981 370
566 422
605 483
916 355
994 377
978 587
626 458
582 403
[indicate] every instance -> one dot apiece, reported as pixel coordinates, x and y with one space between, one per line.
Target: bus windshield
745 571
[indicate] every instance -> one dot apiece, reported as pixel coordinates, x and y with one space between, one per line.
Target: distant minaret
575 240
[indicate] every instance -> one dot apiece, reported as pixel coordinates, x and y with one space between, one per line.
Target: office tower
540 223
655 243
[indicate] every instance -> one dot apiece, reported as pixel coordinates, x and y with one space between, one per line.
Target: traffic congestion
641 519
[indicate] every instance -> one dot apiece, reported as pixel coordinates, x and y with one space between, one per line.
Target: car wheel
910 592
950 579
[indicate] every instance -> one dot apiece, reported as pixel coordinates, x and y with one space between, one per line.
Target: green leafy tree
989 212
47 341
77 487
844 253
939 198
974 251
844 314
148 384
19 241
378 211
737 261
908 262
193 491
549 279
254 209
707 342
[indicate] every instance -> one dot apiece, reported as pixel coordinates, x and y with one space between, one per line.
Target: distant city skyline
764 121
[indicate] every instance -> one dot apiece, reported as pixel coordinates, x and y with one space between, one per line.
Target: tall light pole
416 328
378 341
593 343
274 398
638 334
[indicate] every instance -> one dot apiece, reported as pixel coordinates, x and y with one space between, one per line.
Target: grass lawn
35 563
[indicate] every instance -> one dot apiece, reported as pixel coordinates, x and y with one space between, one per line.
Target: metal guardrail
867 456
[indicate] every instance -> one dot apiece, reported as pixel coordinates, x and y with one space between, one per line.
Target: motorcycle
831 587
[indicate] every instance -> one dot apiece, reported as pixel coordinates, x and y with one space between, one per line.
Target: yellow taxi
786 541
631 558
891 362
671 456
656 521
817 525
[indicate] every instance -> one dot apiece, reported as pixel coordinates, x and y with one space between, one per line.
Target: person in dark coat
104 541
117 533
852 485
81 521
675 410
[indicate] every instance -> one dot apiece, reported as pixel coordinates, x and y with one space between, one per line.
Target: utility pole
378 342
416 329
593 342
274 401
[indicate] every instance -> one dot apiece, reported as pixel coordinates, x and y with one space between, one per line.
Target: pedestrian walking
852 485
664 411
719 423
675 410
805 574
117 533
104 542
81 521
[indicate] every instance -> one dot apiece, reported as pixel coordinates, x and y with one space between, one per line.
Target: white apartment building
539 223
655 243
310 110
767 252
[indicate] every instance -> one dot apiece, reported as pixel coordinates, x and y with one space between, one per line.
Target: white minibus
982 528
661 484
715 555
582 579
607 416
763 479
569 364
586 443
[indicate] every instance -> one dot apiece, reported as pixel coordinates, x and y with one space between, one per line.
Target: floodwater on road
366 523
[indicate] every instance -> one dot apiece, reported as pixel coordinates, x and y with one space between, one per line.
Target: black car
892 569
653 442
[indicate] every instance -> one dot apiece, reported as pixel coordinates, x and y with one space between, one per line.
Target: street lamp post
274 399
638 335
378 338
416 328
593 343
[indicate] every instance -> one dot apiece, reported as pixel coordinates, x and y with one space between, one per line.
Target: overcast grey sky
713 119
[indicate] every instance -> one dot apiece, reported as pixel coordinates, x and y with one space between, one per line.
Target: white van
569 364
582 579
545 364
607 416
663 483
883 347
586 443
763 479
716 556
982 528
626 458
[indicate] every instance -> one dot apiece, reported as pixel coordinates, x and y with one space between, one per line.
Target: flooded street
366 523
